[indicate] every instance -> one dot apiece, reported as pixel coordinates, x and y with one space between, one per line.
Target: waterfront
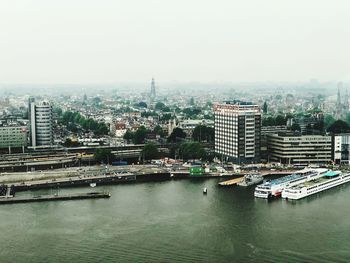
173 221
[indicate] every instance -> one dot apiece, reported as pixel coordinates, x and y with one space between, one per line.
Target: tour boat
275 187
328 180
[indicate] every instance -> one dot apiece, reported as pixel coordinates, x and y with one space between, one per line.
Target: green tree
177 135
328 121
339 126
265 107
104 156
192 150
129 136
203 133
140 135
159 131
295 127
159 105
142 104
280 120
150 151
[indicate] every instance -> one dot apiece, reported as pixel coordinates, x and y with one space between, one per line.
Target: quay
74 181
42 198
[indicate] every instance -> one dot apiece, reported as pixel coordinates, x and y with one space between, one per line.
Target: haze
84 41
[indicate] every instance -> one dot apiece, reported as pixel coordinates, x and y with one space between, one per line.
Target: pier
42 198
231 182
263 173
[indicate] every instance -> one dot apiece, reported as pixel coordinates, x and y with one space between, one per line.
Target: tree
150 151
142 104
159 105
192 150
280 120
339 126
159 131
104 156
295 127
328 121
140 135
203 133
177 135
265 107
129 136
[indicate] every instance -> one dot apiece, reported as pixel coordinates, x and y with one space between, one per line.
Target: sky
111 41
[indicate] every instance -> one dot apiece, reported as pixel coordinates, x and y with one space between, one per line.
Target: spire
338 95
153 90
346 100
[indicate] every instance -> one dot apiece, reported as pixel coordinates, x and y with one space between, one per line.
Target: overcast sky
107 41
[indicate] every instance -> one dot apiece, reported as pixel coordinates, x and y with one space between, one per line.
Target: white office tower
41 124
237 131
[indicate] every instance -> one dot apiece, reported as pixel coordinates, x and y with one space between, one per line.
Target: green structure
196 171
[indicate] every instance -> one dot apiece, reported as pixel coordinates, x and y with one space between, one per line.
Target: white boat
329 180
205 190
275 187
250 179
93 184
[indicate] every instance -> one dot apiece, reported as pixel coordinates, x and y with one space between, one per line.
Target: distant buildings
237 131
299 149
41 126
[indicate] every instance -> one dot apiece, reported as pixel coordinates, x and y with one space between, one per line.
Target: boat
329 180
205 190
250 179
93 184
275 187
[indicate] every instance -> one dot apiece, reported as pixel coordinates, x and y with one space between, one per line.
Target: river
173 221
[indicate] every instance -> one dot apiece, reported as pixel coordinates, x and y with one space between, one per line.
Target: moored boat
328 180
275 187
251 179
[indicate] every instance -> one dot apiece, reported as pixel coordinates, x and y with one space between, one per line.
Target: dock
42 198
231 182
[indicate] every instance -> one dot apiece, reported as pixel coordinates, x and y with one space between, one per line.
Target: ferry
275 187
329 180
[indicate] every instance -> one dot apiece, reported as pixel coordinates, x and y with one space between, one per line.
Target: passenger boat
275 187
251 179
328 180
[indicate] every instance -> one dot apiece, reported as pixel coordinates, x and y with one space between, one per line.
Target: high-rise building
41 132
237 127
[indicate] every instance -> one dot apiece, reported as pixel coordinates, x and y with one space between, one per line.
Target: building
41 128
288 148
237 127
341 148
120 129
188 126
13 136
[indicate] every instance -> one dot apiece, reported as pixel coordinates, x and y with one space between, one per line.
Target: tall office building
238 131
41 133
